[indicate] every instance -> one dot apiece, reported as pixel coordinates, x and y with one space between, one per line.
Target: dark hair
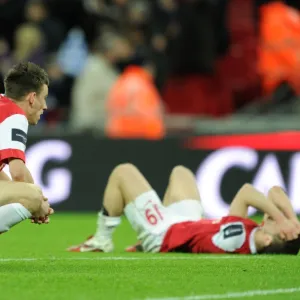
23 79
289 247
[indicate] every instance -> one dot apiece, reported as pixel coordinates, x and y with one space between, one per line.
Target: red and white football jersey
227 235
13 131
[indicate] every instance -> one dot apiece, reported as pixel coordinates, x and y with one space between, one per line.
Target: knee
122 170
275 190
180 171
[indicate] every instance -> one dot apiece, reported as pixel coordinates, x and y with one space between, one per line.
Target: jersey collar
252 241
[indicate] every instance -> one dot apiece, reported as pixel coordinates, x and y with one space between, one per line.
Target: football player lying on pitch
176 225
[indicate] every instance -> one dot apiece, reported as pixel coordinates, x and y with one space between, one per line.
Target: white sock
106 226
12 214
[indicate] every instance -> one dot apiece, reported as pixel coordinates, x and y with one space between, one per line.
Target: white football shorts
151 220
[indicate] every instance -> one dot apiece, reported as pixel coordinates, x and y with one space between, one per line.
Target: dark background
93 159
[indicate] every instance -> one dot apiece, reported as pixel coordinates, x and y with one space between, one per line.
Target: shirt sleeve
231 236
13 137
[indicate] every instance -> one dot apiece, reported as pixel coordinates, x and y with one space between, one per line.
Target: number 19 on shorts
153 213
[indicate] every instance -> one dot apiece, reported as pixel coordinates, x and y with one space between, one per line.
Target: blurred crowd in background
123 67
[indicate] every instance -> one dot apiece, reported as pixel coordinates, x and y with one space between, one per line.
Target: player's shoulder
235 234
245 221
9 109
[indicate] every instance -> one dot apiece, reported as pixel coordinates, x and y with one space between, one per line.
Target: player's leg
181 198
182 194
125 186
3 176
18 201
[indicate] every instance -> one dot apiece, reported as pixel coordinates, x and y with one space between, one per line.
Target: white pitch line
246 294
17 259
196 257
145 258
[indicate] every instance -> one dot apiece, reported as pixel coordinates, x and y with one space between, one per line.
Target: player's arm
17 176
247 197
12 146
19 171
280 199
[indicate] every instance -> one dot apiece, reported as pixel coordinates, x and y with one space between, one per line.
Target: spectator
29 46
4 54
194 50
93 85
11 16
37 13
112 12
164 30
134 106
65 66
279 47
138 19
165 23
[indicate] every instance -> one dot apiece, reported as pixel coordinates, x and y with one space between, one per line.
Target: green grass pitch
35 265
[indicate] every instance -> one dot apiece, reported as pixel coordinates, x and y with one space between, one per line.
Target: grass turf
52 273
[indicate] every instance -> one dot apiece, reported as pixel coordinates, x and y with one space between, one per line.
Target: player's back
8 108
13 131
226 235
5 105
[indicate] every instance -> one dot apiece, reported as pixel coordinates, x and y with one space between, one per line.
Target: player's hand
43 220
43 215
288 230
296 223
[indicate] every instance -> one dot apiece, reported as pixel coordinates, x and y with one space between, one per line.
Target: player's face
37 102
270 227
263 239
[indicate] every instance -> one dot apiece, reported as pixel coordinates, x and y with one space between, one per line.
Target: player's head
27 85
278 246
271 243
